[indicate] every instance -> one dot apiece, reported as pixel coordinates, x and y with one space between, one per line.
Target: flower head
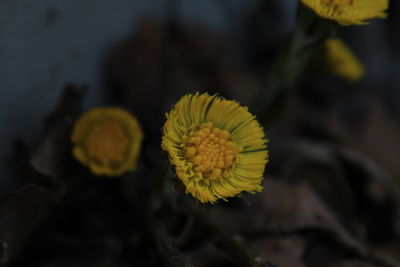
217 147
348 12
342 61
107 140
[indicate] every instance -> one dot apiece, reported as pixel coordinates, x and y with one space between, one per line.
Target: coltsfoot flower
217 147
107 140
348 12
342 62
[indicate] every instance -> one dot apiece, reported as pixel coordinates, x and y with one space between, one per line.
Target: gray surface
45 43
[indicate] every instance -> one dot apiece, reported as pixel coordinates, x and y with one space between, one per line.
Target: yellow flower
107 140
342 61
348 12
217 147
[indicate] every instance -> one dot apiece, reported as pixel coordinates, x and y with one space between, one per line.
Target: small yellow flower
349 12
342 61
107 140
217 147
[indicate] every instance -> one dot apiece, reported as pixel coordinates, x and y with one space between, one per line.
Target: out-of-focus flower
349 12
217 147
342 62
107 140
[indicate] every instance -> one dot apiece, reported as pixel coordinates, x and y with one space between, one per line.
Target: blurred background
45 44
341 139
48 43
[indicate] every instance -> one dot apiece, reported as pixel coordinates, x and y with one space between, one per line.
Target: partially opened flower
348 12
217 147
342 62
107 140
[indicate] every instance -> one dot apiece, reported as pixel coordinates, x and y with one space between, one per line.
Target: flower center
211 150
107 142
337 3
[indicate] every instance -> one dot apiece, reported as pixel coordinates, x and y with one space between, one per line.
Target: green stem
309 33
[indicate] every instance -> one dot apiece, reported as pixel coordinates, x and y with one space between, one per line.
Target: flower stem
309 33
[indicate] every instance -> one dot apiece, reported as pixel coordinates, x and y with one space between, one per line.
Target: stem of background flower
167 247
309 33
159 180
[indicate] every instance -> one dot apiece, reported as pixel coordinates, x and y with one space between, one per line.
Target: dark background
332 180
44 44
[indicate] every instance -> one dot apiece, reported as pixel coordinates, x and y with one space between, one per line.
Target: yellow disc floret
107 140
211 150
107 143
